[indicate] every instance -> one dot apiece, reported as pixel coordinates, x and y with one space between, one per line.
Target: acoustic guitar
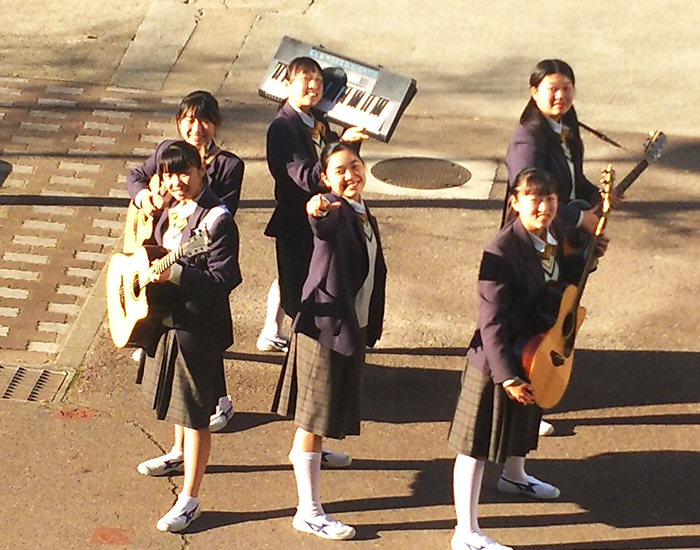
136 308
548 357
138 228
577 238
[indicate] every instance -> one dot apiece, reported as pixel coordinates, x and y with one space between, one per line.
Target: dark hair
201 105
335 147
548 67
178 158
302 65
533 117
534 181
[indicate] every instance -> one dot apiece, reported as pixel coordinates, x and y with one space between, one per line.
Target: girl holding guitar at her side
548 138
496 418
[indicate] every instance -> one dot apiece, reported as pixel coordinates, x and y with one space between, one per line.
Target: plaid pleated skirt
320 388
488 424
180 391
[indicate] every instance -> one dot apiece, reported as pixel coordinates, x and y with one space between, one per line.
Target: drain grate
421 173
30 384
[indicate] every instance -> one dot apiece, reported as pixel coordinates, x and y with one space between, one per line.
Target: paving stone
39 225
78 166
19 274
56 102
28 240
104 126
58 328
68 309
9 311
14 293
44 347
25 258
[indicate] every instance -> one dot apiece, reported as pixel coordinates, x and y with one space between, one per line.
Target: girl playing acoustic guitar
496 417
198 120
183 371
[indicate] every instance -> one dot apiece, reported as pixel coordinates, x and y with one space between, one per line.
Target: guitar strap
600 135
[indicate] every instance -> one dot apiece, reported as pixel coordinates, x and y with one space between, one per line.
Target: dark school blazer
200 306
510 287
225 175
535 144
338 268
295 167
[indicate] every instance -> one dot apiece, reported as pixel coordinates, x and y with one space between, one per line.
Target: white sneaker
475 541
533 487
323 526
331 459
546 428
266 343
222 415
179 517
166 465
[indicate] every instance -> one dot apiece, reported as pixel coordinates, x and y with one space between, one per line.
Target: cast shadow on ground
623 490
600 380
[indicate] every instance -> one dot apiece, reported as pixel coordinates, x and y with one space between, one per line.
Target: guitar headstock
607 179
196 245
655 142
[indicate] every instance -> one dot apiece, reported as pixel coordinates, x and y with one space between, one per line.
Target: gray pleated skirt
321 389
180 392
488 424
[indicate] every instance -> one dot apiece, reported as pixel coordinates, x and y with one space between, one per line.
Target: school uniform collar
556 126
540 244
358 207
306 118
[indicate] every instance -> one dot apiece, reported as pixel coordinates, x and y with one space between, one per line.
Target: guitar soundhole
136 286
557 359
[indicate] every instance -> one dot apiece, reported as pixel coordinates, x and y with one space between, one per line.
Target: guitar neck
160 265
630 178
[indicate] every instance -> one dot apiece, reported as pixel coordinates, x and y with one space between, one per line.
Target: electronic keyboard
355 93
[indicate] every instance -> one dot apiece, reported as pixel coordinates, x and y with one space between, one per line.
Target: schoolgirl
548 137
198 119
183 370
496 418
341 312
294 140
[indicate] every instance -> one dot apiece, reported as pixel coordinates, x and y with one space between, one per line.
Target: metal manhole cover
421 173
30 384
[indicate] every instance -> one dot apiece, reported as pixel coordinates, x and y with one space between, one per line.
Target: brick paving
62 207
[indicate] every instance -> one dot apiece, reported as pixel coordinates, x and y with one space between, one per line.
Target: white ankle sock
307 470
514 469
468 474
225 403
186 502
174 453
274 317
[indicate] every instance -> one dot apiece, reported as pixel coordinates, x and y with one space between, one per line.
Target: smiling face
554 95
196 131
305 90
345 174
536 211
184 186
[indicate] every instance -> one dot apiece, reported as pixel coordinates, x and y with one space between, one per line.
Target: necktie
318 130
564 134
